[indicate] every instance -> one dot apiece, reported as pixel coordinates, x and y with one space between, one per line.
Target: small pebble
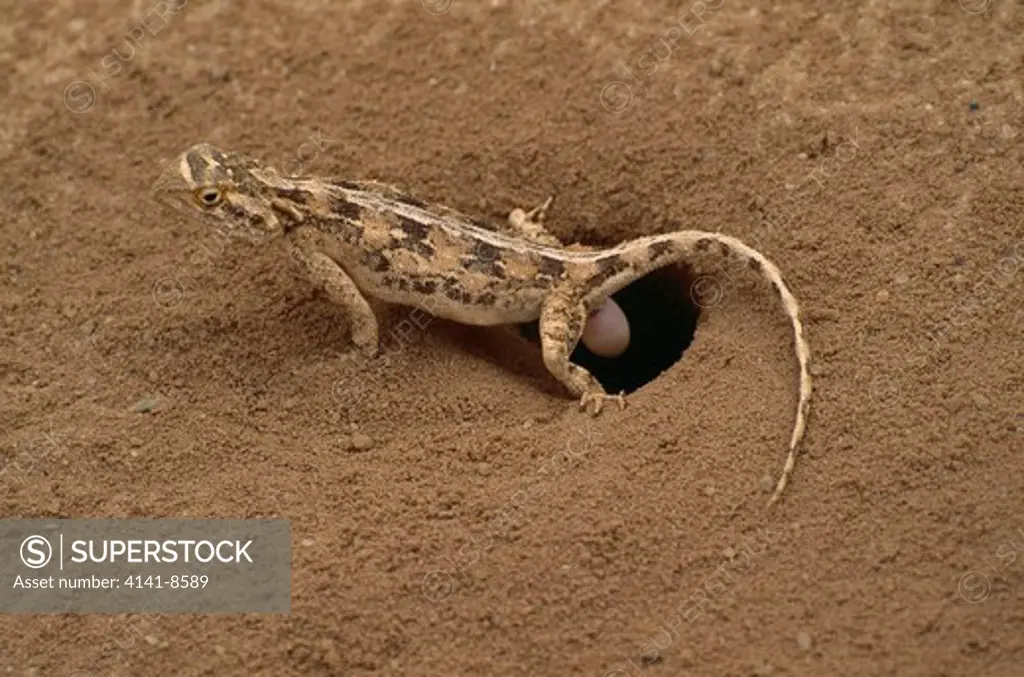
145 405
882 296
362 442
728 553
973 105
824 315
980 400
767 484
803 640
901 278
219 73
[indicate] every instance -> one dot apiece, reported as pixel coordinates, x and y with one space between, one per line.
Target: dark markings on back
416 237
347 209
550 267
483 223
755 265
410 200
487 299
703 244
490 268
294 194
656 249
456 294
424 286
607 268
349 185
423 248
402 283
725 249
414 230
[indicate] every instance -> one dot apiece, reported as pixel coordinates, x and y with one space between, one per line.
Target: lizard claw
593 403
366 344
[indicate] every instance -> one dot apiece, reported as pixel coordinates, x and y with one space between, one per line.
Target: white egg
607 331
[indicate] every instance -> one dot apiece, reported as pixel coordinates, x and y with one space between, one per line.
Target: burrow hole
662 319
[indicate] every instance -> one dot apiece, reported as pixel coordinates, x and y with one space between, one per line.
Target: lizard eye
208 196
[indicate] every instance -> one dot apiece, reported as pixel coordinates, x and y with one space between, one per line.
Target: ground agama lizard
360 239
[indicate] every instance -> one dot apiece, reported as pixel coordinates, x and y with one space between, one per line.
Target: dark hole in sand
662 319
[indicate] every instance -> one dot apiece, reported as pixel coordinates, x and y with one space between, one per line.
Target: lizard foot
366 342
594 402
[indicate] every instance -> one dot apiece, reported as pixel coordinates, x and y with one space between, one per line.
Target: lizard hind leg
530 224
562 319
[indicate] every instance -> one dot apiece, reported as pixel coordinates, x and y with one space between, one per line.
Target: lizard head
227 190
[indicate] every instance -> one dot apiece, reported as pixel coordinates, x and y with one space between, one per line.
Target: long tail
650 253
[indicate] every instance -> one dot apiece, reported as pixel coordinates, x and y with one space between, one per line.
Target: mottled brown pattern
410 200
607 267
425 287
415 230
377 262
658 249
367 239
493 269
485 251
551 267
344 208
296 195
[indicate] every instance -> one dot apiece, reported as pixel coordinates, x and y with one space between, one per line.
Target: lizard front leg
561 325
340 288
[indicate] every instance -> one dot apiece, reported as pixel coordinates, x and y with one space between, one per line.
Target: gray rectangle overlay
145 566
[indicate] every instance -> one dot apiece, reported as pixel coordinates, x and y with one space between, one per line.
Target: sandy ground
873 151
